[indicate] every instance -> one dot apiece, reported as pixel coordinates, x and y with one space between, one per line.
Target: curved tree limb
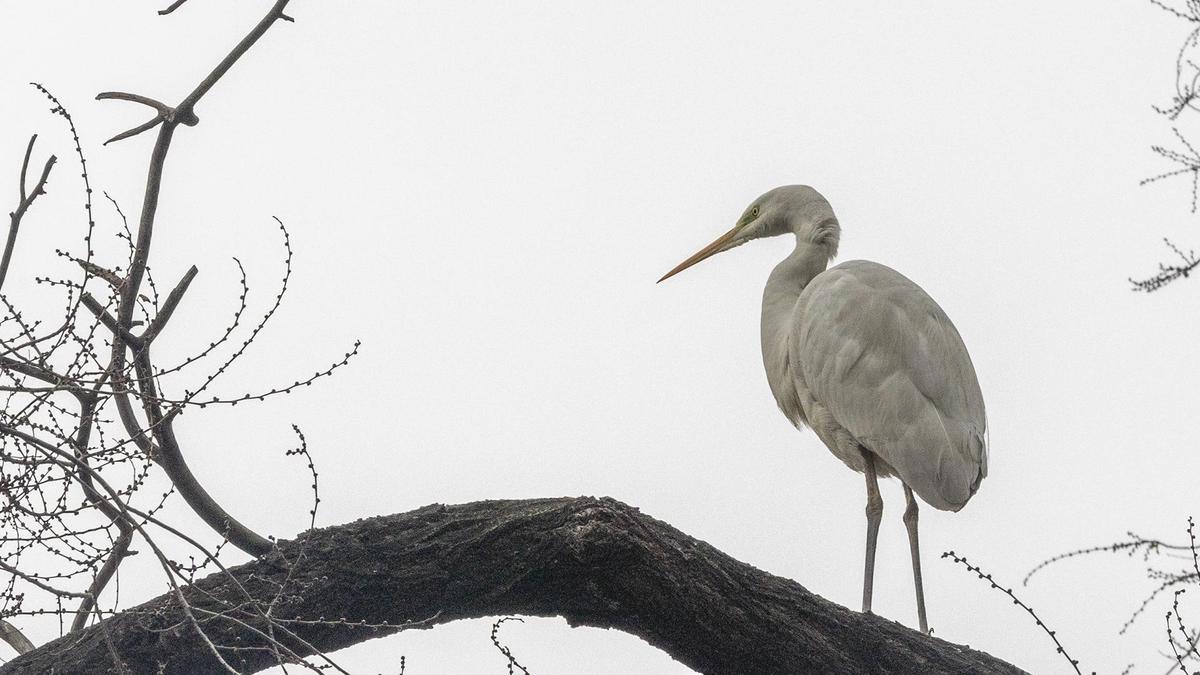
596 562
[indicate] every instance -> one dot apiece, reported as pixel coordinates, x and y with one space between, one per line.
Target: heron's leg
874 515
910 522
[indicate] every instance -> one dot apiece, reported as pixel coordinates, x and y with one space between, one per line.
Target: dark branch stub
171 8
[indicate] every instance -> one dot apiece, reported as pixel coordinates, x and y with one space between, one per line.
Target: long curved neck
784 285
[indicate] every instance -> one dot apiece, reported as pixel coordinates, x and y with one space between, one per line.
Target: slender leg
874 515
910 522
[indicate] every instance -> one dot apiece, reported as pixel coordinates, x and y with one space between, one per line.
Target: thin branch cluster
89 415
1185 264
1185 158
1171 568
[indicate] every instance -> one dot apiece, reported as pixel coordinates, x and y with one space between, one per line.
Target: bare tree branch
168 308
23 205
596 562
52 451
184 111
15 638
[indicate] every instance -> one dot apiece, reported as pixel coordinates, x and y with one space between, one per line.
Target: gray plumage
873 361
863 356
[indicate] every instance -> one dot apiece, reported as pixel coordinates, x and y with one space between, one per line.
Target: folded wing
886 362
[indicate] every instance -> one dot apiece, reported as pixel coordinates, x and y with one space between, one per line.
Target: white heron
867 359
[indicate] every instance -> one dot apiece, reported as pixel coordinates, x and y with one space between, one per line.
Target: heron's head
795 209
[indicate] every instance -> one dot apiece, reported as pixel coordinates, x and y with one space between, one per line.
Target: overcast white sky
484 193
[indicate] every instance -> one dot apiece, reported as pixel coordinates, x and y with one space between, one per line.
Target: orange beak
706 252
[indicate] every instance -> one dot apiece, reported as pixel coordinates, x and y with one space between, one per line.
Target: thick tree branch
596 562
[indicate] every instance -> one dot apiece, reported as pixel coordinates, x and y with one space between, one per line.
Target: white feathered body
866 358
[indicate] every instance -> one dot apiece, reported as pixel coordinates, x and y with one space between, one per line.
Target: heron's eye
754 212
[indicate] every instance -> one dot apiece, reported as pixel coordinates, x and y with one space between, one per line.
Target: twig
109 276
26 200
1190 163
168 307
171 8
1168 273
1194 17
1016 601
302 450
512 660
132 341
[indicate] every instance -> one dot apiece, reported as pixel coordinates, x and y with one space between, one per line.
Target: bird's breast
781 377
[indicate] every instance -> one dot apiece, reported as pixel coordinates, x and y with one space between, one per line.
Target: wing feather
887 363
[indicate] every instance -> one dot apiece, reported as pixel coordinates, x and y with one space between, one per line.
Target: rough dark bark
596 562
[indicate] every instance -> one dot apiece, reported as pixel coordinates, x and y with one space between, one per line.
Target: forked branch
168 453
52 449
26 200
184 111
